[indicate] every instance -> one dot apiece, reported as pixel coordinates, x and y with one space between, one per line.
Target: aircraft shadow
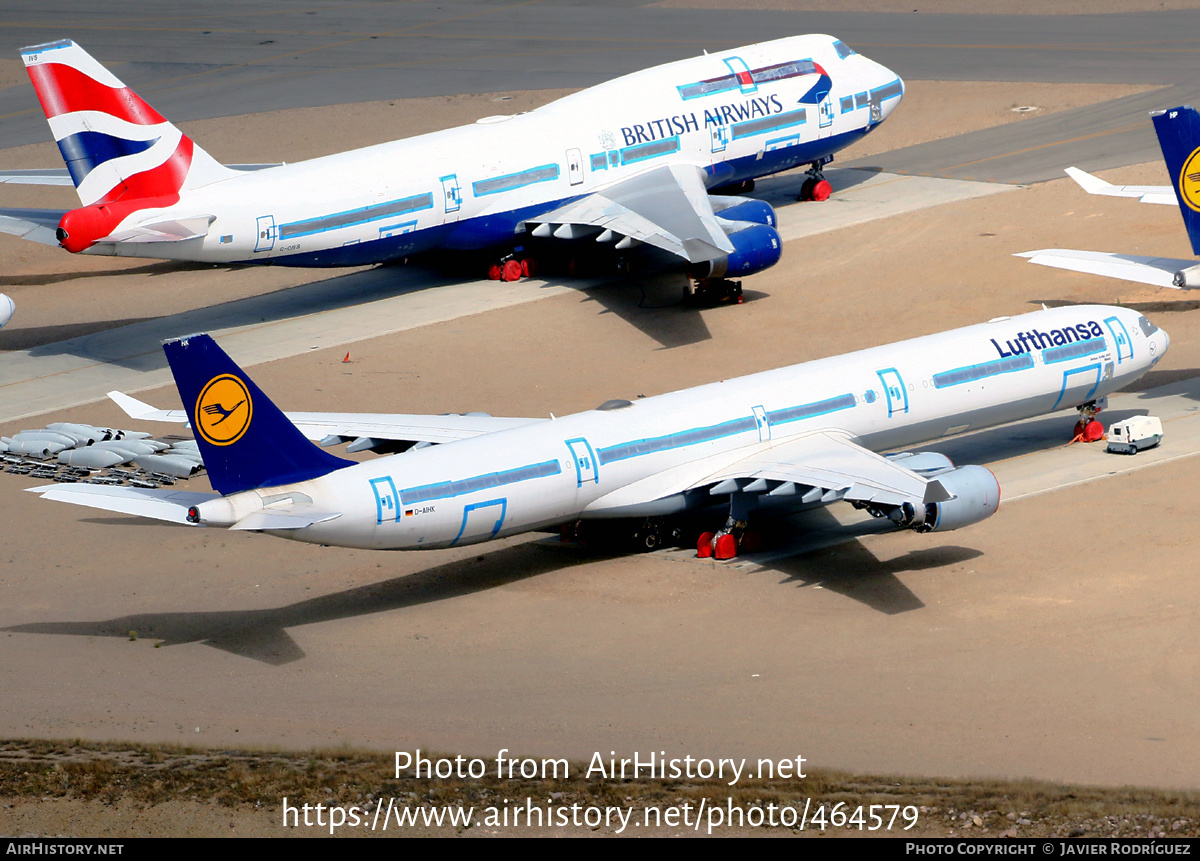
164 267
262 635
1184 379
31 338
137 344
140 342
854 572
811 547
656 306
1008 441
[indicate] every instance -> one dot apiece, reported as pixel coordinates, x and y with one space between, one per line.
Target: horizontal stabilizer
171 230
1144 193
159 504
38 176
1156 271
36 225
296 517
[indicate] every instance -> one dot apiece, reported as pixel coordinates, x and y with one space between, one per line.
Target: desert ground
1054 641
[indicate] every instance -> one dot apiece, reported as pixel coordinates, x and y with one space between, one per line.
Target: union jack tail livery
123 156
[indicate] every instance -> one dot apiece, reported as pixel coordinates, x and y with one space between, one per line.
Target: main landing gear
732 538
710 292
816 187
641 535
730 541
512 268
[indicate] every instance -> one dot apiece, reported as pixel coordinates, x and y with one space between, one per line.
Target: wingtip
1089 183
132 407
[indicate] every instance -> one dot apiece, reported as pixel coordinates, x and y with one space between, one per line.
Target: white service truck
1132 435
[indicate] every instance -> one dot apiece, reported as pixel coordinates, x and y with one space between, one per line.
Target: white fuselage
610 462
474 186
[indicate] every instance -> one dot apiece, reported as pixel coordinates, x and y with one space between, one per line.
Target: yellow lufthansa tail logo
223 410
1189 181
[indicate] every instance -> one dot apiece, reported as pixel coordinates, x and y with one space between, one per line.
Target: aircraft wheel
821 190
512 271
806 190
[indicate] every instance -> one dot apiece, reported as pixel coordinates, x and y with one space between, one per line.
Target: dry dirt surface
1053 641
74 790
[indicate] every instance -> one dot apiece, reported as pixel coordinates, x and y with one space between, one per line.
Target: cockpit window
1147 327
842 48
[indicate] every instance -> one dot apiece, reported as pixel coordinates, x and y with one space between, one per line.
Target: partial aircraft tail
123 156
245 440
1179 136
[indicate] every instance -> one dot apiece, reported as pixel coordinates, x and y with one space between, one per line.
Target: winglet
134 408
245 440
1090 184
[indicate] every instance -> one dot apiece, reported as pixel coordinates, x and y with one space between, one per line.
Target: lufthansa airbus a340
626 162
797 436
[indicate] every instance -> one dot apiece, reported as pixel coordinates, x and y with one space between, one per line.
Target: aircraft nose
890 104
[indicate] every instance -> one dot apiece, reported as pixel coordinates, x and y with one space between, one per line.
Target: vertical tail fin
115 145
246 441
1179 136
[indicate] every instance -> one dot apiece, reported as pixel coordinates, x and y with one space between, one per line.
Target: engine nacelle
1189 278
7 307
976 496
924 463
756 247
744 209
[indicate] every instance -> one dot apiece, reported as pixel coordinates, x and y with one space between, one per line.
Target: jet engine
975 496
744 209
1189 277
756 247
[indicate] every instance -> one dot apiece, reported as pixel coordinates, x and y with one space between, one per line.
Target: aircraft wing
1145 193
355 426
61 176
1157 271
667 207
37 225
824 466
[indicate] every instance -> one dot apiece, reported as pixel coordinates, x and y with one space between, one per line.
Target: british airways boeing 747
626 162
803 435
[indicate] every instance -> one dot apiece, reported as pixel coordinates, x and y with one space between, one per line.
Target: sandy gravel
1051 641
